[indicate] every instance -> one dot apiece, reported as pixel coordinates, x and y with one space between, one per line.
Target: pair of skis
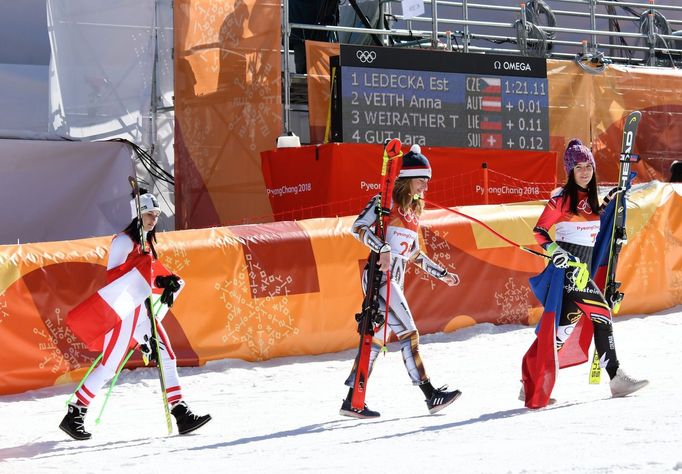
370 305
151 313
612 292
152 316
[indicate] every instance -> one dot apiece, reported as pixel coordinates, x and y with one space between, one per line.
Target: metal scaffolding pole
286 82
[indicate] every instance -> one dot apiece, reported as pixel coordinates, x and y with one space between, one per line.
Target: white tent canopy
62 190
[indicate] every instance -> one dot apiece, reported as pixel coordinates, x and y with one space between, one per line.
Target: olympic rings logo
584 206
366 56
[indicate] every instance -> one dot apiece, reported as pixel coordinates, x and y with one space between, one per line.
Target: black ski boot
440 398
348 410
186 420
73 422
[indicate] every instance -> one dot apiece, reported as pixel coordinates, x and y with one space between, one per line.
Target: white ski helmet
148 203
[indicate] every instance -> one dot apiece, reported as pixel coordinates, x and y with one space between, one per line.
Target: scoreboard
439 98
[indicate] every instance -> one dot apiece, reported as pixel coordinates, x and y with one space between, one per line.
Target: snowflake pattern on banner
253 123
671 244
513 303
258 80
175 256
4 314
64 351
260 323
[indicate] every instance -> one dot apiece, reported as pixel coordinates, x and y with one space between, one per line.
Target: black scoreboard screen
439 98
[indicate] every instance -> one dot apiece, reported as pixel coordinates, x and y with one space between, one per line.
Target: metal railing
638 33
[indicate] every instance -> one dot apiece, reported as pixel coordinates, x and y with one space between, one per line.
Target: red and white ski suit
130 331
576 233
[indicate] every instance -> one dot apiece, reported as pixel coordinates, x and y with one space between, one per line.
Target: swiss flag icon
491 140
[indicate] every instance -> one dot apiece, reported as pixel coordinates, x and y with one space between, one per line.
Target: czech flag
491 85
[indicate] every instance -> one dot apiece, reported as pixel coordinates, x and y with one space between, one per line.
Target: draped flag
116 301
542 361
600 254
540 364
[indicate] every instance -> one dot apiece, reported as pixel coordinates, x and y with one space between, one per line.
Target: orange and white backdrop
228 109
290 288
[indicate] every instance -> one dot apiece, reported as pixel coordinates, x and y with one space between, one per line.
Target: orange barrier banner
339 178
257 292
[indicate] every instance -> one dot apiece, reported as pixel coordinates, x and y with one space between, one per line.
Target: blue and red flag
600 254
542 361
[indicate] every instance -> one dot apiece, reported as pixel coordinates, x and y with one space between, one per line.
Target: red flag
575 349
542 361
491 122
98 314
491 104
491 140
540 364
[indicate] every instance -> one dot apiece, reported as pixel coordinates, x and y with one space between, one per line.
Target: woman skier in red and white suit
574 211
132 329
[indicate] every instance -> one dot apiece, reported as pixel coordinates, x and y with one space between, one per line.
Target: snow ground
282 416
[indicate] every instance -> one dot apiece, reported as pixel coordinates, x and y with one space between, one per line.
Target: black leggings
591 303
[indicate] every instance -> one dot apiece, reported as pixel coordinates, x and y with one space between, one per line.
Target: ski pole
111 385
159 365
80 384
583 274
152 316
384 349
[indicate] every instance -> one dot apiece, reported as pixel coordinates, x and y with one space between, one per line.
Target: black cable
592 63
660 27
153 168
535 9
614 25
365 21
537 48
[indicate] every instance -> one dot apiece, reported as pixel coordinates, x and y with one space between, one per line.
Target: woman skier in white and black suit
401 247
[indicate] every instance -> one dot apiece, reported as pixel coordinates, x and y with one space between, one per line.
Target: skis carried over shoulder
150 310
611 287
618 235
370 304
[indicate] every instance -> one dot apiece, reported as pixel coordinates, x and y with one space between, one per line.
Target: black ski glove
148 349
612 194
374 313
560 257
170 284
